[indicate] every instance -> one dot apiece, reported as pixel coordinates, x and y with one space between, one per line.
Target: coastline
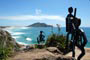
18 33
86 57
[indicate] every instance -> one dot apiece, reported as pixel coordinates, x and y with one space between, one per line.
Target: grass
56 40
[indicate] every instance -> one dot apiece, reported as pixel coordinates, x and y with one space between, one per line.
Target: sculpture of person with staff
78 36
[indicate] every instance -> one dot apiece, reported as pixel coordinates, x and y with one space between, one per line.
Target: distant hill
4 26
38 24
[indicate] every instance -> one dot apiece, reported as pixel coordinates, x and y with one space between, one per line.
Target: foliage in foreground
6 48
4 53
7 45
56 40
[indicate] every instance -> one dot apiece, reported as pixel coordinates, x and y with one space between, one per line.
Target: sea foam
25 28
22 43
16 37
28 39
17 33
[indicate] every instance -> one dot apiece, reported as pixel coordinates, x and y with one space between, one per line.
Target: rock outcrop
50 53
6 41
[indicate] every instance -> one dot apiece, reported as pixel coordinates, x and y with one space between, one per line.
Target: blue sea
28 35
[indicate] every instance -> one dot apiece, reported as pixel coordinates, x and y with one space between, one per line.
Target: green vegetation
56 40
5 53
7 45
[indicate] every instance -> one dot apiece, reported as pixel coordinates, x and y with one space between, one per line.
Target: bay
28 35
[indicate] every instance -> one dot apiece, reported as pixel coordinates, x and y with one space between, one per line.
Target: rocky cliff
7 44
6 40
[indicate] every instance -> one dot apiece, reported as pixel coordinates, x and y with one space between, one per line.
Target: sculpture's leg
84 38
67 38
73 49
82 53
73 44
82 46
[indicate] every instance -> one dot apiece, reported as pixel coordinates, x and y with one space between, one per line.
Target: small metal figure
41 37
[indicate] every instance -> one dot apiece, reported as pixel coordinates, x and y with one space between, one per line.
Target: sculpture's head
41 32
70 10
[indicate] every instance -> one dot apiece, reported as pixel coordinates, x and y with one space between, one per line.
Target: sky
27 12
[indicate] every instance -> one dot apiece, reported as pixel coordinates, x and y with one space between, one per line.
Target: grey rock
54 50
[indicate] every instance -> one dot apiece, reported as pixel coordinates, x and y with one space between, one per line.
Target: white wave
28 39
16 37
17 33
22 43
24 28
11 32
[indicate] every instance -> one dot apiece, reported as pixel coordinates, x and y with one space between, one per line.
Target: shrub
4 53
7 45
56 40
40 46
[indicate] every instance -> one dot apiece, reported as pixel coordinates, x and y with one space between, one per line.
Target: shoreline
32 45
36 44
22 43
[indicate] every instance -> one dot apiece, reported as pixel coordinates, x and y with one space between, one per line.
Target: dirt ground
86 56
40 53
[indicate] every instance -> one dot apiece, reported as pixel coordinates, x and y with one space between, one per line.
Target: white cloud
38 16
38 11
33 17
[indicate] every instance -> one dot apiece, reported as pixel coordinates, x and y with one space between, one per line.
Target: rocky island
38 24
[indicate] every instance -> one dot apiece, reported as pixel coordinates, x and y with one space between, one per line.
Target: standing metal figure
69 24
78 36
79 40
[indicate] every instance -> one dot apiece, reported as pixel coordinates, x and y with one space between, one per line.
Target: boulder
54 50
6 40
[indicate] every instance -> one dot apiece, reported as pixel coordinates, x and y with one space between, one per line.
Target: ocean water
28 35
